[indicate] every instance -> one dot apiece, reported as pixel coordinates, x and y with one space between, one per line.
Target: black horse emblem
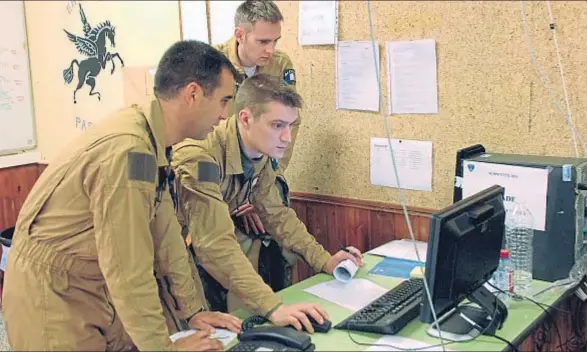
93 45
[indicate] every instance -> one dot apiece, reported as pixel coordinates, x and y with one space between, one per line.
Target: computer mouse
323 328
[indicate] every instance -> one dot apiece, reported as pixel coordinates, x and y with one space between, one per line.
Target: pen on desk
348 251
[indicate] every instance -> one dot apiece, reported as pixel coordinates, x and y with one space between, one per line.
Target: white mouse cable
400 190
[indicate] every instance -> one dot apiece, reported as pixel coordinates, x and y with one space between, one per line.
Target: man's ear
239 34
192 93
245 117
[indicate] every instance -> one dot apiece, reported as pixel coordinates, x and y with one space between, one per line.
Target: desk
524 319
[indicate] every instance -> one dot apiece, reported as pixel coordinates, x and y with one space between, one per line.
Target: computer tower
555 248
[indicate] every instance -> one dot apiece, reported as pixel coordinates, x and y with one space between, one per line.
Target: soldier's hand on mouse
200 341
352 253
296 315
208 320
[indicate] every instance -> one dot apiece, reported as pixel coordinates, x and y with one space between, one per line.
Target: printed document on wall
194 21
222 20
356 76
317 22
522 184
413 160
411 77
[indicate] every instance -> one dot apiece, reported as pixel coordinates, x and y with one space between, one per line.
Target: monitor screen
463 249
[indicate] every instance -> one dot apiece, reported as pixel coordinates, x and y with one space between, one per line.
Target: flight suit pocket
283 188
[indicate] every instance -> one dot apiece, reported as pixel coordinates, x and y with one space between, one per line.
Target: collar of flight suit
154 117
234 165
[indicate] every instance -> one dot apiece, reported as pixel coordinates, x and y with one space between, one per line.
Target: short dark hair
250 12
261 89
190 61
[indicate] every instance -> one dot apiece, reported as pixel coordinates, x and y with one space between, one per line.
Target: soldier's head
266 108
194 83
257 30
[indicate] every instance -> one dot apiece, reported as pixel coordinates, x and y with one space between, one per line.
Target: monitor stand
467 322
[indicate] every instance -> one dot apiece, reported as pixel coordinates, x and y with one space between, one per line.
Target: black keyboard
389 313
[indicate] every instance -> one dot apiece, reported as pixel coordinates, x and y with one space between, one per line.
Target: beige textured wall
489 92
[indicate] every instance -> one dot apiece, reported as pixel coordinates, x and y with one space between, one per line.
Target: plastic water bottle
519 239
503 278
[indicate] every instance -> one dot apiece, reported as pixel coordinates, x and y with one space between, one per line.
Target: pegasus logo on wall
93 45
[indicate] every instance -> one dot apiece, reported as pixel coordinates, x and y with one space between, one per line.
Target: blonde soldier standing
235 166
100 222
252 50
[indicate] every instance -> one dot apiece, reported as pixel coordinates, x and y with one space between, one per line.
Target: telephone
271 338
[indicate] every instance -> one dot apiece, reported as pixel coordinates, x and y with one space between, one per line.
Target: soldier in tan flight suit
99 224
236 165
252 50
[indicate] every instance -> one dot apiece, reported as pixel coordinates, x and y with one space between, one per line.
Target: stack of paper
402 249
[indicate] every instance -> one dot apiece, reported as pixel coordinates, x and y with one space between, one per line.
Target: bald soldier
99 224
235 166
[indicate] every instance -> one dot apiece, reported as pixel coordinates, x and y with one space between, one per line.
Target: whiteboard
17 125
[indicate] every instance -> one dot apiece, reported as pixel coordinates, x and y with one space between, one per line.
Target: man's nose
286 134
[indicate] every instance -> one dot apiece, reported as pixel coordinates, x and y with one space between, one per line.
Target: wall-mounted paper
411 77
356 76
522 184
412 158
194 21
317 22
222 20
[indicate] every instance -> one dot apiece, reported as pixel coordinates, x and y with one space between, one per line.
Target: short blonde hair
261 89
250 12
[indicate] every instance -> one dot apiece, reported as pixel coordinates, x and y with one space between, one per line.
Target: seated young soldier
235 168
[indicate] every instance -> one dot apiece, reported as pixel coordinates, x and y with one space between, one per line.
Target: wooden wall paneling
383 228
15 184
337 222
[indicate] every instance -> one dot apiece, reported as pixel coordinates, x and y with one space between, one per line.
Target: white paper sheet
317 22
352 295
194 21
222 20
412 158
356 78
223 335
411 77
522 184
403 344
402 249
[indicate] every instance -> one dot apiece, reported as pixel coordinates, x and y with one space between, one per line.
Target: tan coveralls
89 239
211 186
279 65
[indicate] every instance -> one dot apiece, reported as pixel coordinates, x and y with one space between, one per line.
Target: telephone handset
271 338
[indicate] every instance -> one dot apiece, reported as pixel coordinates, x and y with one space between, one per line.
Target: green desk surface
521 316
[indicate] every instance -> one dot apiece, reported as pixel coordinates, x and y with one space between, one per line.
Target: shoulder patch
289 76
141 167
208 172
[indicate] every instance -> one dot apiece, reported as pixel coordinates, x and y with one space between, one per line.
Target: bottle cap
504 254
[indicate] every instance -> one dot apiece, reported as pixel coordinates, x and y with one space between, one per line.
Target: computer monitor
463 252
